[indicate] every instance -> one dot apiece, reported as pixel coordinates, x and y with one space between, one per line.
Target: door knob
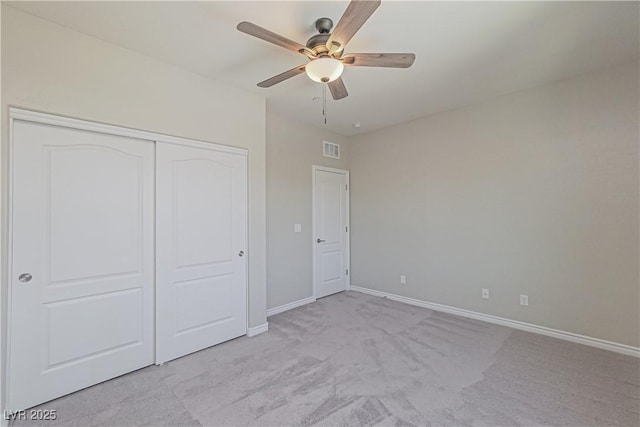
25 277
319 241
241 253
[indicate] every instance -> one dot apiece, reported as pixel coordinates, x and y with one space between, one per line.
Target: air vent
331 150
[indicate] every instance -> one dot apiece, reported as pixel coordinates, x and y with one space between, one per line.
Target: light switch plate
297 228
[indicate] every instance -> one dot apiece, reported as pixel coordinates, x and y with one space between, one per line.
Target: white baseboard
515 324
256 330
290 306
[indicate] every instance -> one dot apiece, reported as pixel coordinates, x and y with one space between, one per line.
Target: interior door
201 248
82 260
331 227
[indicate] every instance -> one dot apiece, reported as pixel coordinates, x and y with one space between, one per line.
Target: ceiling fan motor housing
318 43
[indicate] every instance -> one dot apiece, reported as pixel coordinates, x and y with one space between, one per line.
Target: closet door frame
78 124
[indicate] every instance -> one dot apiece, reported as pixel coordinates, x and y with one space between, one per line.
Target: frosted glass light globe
324 70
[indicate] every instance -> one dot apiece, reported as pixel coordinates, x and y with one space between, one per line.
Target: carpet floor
357 360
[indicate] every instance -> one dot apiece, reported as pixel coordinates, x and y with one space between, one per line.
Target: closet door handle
25 278
319 241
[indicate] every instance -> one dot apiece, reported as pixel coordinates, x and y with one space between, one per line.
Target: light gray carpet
354 359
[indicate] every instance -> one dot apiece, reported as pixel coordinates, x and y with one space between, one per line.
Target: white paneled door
201 248
331 230
81 284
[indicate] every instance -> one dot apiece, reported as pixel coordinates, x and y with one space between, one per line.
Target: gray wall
533 193
291 150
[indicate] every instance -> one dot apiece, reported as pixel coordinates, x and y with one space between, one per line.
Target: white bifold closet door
82 261
201 248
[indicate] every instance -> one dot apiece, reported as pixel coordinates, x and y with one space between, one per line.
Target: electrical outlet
485 293
524 300
297 228
403 279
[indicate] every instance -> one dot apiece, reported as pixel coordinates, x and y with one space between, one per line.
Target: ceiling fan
325 50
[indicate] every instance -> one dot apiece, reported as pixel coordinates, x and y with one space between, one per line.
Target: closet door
82 260
201 238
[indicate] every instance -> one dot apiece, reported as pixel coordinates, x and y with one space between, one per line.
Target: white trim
290 306
256 330
515 324
328 169
9 275
345 172
68 122
3 279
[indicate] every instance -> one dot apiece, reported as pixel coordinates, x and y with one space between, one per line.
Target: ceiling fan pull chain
324 102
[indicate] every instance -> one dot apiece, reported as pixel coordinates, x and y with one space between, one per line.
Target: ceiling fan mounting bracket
307 52
324 25
335 48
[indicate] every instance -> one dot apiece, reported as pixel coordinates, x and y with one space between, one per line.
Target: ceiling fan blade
282 76
393 60
353 18
271 37
338 89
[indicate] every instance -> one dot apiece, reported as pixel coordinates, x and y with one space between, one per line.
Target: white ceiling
466 52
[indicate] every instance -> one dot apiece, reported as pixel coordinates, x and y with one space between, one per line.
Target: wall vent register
331 150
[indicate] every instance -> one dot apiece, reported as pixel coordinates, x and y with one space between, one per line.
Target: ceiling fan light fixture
324 70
